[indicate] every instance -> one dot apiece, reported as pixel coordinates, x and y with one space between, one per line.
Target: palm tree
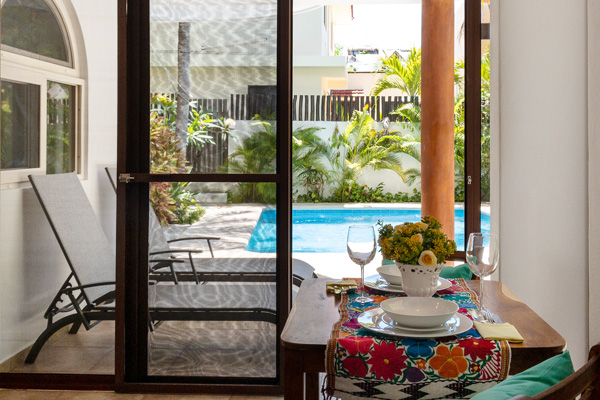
256 154
362 146
400 73
309 165
410 113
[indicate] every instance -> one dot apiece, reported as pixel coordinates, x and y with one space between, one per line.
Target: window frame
20 66
65 34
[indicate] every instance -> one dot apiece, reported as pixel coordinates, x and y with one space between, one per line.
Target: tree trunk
183 84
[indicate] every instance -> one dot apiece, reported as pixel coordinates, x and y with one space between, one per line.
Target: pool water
324 230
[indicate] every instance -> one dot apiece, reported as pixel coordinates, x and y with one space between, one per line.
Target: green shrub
356 193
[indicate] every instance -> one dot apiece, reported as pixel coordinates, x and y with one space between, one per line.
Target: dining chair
585 382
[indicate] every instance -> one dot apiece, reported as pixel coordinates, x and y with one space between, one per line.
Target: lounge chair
165 266
87 295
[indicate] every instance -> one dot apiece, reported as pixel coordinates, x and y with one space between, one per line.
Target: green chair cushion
460 271
532 381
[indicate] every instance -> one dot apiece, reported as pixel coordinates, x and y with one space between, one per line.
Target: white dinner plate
375 320
377 282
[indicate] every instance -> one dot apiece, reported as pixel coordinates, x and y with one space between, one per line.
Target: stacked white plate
389 280
416 317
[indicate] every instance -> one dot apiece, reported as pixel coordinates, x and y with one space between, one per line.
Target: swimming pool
323 230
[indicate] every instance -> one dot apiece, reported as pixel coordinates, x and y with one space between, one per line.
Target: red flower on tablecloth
477 348
475 367
386 360
355 366
356 344
421 364
449 363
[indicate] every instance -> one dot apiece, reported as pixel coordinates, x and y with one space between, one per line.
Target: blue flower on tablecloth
419 347
414 374
457 298
360 306
470 333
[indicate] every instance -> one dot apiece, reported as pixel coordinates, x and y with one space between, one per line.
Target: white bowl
419 312
390 273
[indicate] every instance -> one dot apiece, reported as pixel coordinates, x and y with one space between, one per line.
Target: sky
390 26
387 26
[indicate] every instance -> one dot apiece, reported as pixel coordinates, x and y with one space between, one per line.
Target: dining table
314 312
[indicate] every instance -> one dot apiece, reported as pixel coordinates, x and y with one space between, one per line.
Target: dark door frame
132 210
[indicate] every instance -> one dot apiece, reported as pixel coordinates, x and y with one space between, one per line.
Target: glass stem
481 293
362 280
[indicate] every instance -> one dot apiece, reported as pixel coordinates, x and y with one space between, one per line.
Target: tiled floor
185 348
71 395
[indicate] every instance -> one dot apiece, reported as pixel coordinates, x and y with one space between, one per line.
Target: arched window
42 90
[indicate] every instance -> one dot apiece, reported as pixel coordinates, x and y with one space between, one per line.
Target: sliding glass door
204 192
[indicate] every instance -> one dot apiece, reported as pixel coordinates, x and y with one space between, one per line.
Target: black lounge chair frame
212 269
250 302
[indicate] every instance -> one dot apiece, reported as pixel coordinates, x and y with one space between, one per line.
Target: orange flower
421 364
378 299
449 364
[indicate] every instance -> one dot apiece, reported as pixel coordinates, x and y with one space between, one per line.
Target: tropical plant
400 73
256 154
361 146
309 165
410 114
200 123
172 203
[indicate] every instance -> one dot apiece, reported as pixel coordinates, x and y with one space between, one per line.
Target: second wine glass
361 249
482 257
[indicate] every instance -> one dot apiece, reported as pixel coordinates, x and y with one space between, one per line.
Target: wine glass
361 249
482 257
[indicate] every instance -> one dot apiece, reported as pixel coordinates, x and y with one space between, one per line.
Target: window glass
60 153
20 125
32 26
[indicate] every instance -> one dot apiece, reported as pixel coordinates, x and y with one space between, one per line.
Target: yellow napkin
347 285
503 331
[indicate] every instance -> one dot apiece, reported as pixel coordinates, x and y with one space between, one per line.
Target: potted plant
419 250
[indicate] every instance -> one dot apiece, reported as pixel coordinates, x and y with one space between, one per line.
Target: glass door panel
211 299
213 280
364 90
214 83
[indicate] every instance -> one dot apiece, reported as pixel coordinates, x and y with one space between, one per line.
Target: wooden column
437 112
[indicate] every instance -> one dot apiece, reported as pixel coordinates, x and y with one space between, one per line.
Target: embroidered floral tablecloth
363 364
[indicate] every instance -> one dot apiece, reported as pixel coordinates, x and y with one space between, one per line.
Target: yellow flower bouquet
419 251
419 243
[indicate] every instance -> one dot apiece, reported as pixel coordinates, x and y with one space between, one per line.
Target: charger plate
376 320
378 283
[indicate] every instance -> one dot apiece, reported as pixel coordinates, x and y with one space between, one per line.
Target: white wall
309 34
594 167
542 138
32 266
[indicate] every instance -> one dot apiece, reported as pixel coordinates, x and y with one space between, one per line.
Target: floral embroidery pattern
375 359
387 361
449 363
